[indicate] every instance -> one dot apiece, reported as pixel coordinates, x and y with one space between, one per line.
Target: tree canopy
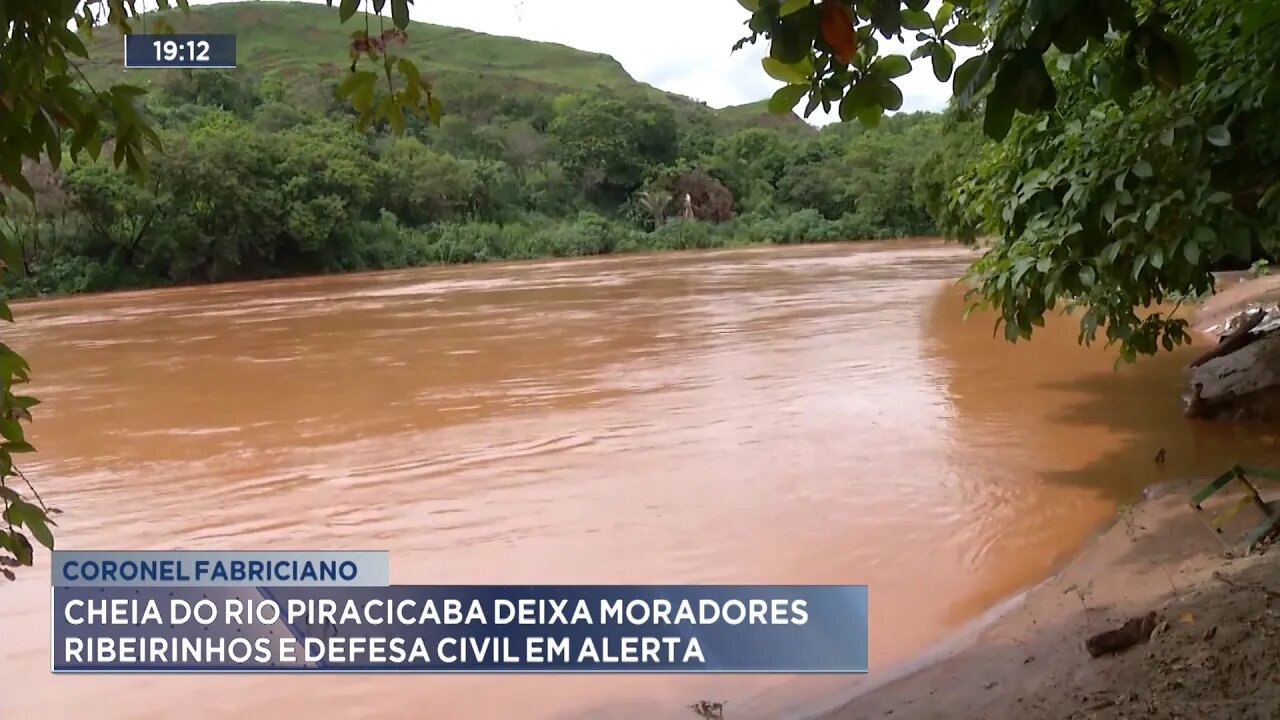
1139 147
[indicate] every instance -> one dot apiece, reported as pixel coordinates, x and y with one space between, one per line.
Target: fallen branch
1238 339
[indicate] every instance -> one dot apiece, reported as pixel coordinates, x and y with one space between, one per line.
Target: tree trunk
1238 338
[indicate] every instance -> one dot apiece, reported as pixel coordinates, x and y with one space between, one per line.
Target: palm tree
655 202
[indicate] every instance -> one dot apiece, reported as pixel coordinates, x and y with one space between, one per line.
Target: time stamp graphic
180 51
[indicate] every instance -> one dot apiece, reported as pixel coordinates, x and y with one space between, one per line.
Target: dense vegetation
262 175
1157 164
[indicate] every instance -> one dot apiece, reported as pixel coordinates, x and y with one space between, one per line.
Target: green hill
302 41
544 150
757 114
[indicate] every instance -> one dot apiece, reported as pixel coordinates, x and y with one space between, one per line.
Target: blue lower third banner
334 612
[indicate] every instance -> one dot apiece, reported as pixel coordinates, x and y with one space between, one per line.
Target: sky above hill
681 46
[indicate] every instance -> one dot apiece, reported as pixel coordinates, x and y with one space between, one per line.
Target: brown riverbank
1214 653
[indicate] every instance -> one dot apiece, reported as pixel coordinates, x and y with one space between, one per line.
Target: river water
815 414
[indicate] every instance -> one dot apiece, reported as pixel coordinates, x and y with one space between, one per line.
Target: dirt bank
1214 653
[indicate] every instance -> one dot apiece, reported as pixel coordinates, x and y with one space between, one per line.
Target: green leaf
1110 253
793 74
789 46
1191 251
435 110
1000 109
1269 195
1142 169
943 60
966 34
1219 197
1218 135
944 16
5 312
786 98
1088 276
358 86
890 96
400 13
353 81
20 546
916 20
33 518
346 9
964 75
11 430
1153 217
1139 263
72 42
892 65
848 110
869 115
17 447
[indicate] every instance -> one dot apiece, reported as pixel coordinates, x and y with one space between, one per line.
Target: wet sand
1213 653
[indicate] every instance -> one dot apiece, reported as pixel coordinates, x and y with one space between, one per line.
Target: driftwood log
1134 632
1238 338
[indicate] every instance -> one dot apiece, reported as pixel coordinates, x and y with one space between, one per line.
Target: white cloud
681 46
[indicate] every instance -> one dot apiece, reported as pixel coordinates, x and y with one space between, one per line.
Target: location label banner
334 612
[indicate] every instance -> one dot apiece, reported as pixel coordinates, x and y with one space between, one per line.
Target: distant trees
251 185
610 144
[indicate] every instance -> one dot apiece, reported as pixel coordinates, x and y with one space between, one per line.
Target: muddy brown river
816 414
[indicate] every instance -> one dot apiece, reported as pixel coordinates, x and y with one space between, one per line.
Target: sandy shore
1214 653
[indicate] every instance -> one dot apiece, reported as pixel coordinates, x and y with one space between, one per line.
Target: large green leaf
942 60
892 65
916 20
400 13
786 98
793 74
965 33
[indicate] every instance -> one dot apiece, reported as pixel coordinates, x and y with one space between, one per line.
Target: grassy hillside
757 114
302 41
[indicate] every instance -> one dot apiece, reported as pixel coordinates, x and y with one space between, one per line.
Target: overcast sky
682 46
